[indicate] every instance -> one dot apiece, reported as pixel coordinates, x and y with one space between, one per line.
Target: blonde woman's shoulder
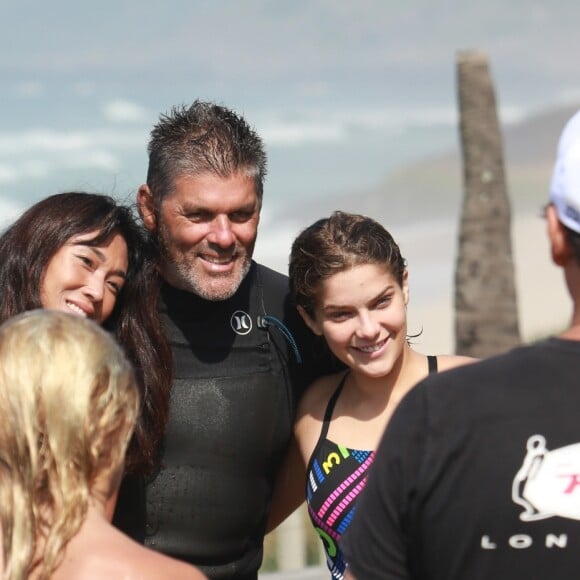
101 551
155 565
144 564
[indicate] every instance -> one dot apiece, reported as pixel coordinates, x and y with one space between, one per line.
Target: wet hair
335 244
68 401
26 249
203 138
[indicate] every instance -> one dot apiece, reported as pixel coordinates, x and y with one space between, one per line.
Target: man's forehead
212 180
210 190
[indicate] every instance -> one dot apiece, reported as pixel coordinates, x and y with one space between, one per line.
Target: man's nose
221 233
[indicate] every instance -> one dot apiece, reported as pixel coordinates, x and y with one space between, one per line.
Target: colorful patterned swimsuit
335 477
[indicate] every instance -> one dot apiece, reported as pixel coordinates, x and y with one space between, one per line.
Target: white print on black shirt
548 482
546 485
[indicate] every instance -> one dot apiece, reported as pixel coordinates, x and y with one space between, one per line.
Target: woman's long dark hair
27 247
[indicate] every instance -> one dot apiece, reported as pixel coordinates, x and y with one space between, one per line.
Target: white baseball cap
565 186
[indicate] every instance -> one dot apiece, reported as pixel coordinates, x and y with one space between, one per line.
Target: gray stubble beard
183 275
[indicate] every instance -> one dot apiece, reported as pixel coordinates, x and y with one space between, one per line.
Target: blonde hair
68 405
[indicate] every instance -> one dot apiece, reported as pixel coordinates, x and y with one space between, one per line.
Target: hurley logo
241 322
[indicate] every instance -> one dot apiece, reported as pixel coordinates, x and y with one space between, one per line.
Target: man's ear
310 322
146 207
559 246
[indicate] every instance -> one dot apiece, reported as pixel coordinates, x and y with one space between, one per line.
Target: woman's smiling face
85 279
361 314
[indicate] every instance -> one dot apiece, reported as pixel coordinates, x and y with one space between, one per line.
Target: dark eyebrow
119 273
102 257
384 291
193 207
250 206
373 299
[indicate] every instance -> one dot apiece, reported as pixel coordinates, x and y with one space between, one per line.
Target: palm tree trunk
486 316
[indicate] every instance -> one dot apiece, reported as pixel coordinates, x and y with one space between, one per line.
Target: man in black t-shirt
478 473
241 353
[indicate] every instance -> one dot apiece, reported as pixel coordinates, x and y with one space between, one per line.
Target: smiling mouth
78 311
372 348
224 261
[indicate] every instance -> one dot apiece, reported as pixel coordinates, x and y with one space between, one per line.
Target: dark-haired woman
350 283
85 254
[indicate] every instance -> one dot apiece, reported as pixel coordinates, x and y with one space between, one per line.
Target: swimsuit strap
432 362
330 408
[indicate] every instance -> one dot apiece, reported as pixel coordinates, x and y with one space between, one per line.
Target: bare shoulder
156 565
315 399
311 410
450 361
145 564
113 555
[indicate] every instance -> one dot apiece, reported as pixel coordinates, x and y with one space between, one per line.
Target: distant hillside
431 188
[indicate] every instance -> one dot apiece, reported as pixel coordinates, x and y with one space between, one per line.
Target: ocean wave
334 126
32 141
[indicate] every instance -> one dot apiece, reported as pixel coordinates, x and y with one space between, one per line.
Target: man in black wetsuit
237 343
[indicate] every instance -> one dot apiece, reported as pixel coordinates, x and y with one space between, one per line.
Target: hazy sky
342 91
299 49
339 89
